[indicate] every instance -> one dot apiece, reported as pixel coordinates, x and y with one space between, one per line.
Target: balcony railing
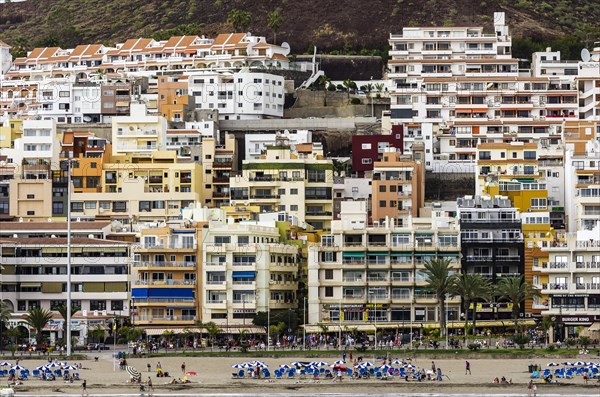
353 261
215 282
163 264
164 300
165 282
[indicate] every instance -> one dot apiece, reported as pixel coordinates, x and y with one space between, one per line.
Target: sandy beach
214 377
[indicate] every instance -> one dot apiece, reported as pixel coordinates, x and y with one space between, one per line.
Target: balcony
165 282
477 258
353 261
507 258
163 264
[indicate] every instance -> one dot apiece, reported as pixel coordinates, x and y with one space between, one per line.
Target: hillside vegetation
338 26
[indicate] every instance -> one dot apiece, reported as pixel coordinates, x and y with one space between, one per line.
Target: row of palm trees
473 288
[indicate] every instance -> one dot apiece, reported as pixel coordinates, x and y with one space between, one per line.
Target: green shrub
550 348
355 101
521 340
584 341
473 347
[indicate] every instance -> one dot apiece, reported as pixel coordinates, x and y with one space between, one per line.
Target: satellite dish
596 57
585 55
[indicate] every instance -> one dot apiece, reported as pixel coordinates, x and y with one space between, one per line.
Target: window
539 203
382 188
328 274
530 155
382 203
116 305
293 191
328 292
367 161
293 207
77 207
366 146
90 205
57 207
64 94
97 304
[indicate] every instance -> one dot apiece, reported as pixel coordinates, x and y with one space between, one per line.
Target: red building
367 149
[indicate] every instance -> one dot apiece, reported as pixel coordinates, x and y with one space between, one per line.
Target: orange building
90 152
174 102
398 188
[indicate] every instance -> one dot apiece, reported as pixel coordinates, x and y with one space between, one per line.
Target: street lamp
372 292
446 322
69 303
371 96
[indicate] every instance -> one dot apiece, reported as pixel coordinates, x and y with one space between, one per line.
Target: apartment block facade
371 276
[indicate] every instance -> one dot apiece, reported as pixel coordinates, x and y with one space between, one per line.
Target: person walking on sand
183 367
149 383
467 367
433 367
149 367
84 391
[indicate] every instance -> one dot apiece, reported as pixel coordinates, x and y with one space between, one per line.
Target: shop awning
31 285
137 293
243 274
353 255
425 254
402 254
378 253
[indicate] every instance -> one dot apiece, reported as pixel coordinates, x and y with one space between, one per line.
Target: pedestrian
433 367
350 355
149 367
150 384
467 367
183 367
439 374
344 356
84 391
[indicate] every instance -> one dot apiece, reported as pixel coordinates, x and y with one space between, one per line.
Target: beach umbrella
284 366
340 367
133 372
238 366
5 364
384 368
552 364
578 364
338 362
17 367
567 363
261 363
318 363
366 364
52 365
397 362
70 367
41 368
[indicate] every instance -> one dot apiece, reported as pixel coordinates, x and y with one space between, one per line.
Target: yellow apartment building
139 132
296 181
11 130
164 278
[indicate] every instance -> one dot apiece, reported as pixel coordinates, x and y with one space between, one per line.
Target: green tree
521 340
349 85
515 290
239 19
37 318
62 310
274 22
323 82
213 330
168 335
5 313
96 334
547 323
439 280
471 287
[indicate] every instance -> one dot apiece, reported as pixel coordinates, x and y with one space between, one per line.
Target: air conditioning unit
527 315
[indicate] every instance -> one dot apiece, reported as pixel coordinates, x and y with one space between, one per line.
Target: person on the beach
344 356
84 391
433 367
149 383
183 367
149 367
467 367
439 374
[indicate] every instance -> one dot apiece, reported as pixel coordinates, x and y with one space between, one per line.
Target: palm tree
274 22
470 287
239 19
37 318
324 81
349 85
437 273
213 330
62 310
516 290
547 323
5 313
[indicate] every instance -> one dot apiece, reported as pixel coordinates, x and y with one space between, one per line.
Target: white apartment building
245 270
570 282
370 277
238 96
549 63
589 86
453 87
5 58
143 57
38 145
256 144
138 132
582 187
34 274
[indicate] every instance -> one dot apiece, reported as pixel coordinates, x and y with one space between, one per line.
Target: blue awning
243 274
137 293
353 254
171 293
